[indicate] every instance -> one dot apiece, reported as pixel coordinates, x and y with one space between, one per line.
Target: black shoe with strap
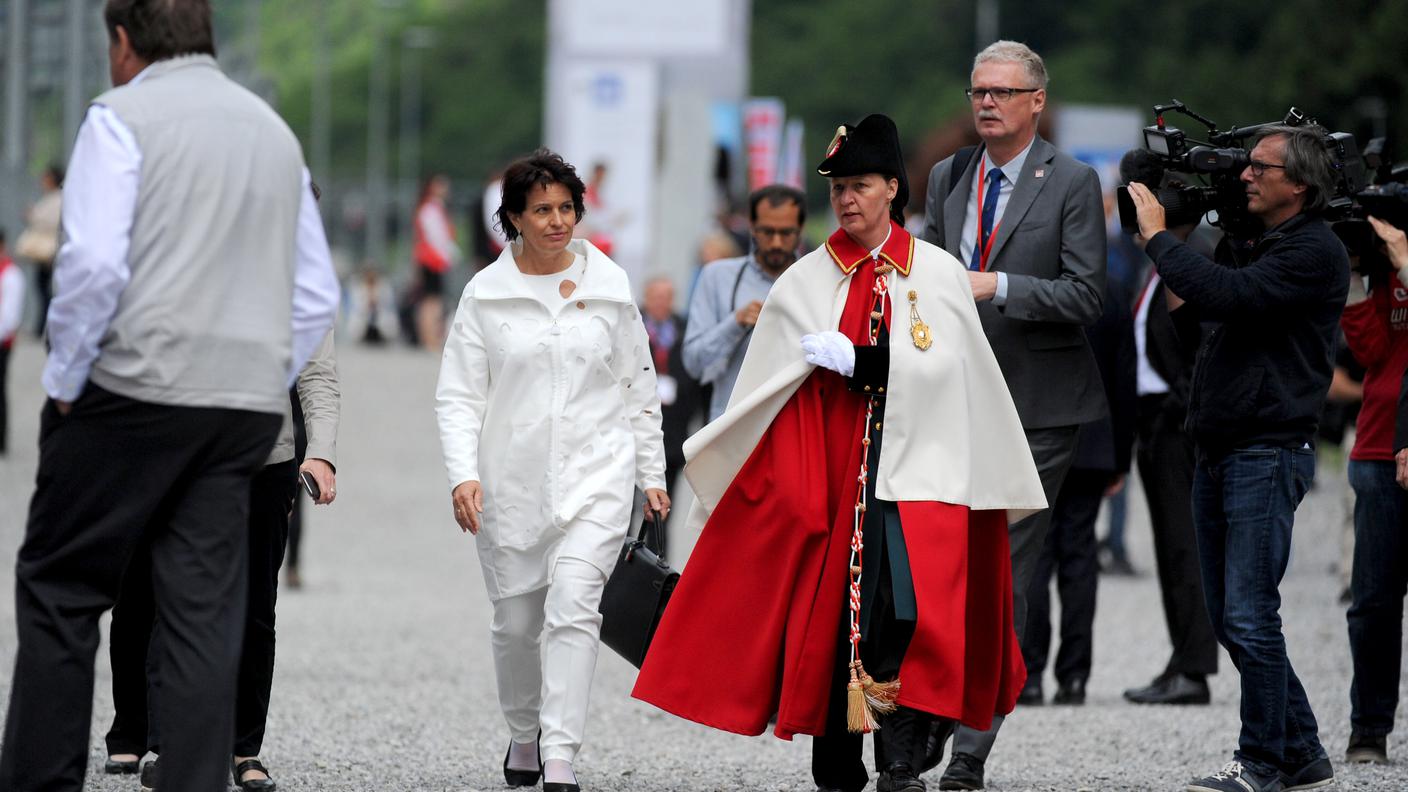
265 784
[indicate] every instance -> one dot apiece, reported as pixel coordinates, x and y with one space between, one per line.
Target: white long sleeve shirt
100 198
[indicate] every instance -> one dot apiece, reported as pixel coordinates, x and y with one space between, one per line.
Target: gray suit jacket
1051 245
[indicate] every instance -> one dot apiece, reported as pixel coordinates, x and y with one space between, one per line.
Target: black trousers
1166 461
4 399
136 682
118 477
837 762
1070 556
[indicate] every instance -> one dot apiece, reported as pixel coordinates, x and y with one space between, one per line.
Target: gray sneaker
1233 777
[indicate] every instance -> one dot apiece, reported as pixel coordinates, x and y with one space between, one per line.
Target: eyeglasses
1259 168
763 232
1000 95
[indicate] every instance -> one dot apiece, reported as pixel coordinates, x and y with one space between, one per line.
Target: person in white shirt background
193 283
11 310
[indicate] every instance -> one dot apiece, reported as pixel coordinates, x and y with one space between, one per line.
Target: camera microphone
1143 166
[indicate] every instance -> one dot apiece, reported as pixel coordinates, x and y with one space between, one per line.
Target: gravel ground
384 678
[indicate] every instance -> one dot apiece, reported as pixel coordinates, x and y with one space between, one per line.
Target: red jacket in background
1377 333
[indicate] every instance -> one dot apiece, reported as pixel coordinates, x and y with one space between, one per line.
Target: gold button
882 389
867 389
877 425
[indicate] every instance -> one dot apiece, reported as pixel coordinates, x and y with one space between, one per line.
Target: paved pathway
384 679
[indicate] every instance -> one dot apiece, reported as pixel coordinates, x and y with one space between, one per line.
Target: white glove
831 350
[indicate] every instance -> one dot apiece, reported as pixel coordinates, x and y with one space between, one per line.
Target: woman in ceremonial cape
852 572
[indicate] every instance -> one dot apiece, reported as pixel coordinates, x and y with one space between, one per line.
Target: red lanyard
984 250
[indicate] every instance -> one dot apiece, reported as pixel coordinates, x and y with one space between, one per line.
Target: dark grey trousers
1053 450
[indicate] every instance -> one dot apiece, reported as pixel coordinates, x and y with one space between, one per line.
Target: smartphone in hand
310 484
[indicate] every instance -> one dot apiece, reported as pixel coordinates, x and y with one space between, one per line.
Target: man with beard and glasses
730 293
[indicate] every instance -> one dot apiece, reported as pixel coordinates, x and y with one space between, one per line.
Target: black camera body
1208 173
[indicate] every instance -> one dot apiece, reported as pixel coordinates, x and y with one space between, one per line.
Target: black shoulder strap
961 158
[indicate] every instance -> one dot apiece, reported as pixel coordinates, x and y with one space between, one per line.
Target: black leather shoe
1171 689
900 777
964 771
1070 694
523 778
149 776
265 784
1031 695
115 767
1364 749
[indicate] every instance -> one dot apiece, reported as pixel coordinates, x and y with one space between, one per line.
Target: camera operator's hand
1148 210
1401 458
1394 239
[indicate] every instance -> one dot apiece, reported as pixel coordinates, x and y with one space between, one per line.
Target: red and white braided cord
881 291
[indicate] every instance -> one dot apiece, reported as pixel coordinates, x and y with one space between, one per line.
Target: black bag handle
650 528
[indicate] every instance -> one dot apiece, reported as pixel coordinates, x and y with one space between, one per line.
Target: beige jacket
951 430
320 397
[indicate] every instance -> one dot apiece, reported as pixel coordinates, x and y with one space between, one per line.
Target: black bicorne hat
872 146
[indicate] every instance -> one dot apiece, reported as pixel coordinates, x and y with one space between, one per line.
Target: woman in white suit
548 418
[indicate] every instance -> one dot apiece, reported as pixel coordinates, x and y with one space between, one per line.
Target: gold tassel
881 696
860 719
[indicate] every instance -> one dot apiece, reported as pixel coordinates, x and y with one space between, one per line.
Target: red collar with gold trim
848 254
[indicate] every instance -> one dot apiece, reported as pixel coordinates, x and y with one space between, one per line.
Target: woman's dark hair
161 29
541 168
55 172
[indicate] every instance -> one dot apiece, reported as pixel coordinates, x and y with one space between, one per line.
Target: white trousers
545 646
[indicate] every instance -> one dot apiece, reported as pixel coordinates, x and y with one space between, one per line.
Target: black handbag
636 594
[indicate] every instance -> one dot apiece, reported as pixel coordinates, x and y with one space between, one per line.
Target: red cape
752 627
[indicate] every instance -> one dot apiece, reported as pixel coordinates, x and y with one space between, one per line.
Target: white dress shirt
1011 172
100 199
11 300
1147 379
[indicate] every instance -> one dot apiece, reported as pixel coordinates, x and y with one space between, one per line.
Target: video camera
1214 167
1386 198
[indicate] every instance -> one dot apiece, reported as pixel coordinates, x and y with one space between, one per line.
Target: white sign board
645 28
612 111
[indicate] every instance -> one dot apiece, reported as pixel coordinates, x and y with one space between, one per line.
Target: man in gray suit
1029 222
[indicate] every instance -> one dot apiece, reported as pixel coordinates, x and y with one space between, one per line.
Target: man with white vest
193 281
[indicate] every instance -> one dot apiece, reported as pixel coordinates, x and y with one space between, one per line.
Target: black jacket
1262 373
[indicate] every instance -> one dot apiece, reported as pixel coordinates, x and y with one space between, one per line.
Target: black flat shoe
522 778
558 786
265 784
114 767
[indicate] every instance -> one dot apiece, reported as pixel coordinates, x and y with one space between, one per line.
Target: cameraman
1257 391
1376 329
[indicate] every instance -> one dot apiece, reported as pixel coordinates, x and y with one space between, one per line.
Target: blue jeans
1379 583
1244 505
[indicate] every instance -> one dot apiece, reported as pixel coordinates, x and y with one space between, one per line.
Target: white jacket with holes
555 414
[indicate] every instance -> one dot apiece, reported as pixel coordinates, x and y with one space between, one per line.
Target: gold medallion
919 331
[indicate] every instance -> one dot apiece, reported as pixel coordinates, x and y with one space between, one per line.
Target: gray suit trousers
1053 450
